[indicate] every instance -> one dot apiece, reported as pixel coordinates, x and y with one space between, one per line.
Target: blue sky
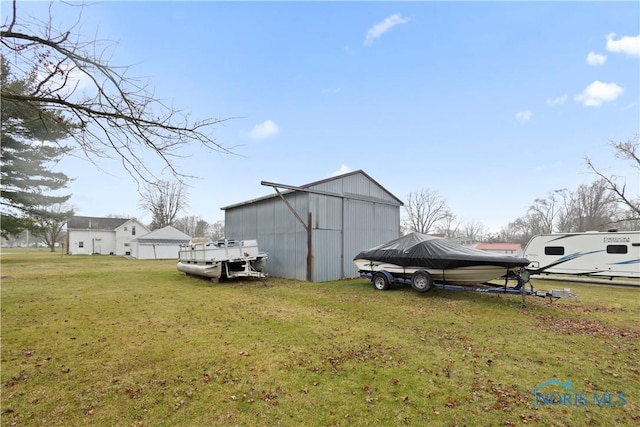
491 104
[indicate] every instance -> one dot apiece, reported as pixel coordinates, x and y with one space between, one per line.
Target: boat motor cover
422 250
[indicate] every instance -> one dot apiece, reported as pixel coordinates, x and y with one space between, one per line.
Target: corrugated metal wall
277 230
367 225
342 227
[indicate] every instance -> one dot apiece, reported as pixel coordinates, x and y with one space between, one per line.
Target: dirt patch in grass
580 309
575 326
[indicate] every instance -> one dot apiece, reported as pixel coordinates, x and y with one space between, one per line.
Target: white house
163 243
104 236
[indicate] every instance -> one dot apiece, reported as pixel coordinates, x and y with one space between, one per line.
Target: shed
163 243
312 232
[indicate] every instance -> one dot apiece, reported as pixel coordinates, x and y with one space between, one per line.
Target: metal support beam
330 194
293 211
308 228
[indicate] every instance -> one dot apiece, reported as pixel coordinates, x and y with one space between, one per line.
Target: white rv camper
600 254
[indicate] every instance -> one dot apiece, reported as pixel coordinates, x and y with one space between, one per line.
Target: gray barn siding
277 230
327 260
341 226
327 218
367 225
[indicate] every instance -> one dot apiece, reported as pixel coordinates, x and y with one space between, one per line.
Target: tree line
599 206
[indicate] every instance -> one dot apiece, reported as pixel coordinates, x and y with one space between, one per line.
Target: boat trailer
520 288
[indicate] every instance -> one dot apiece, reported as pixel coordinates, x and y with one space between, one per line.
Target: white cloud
524 116
627 44
382 27
264 130
597 93
343 169
558 100
596 58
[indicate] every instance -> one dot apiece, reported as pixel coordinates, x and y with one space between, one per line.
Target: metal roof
309 188
166 234
94 223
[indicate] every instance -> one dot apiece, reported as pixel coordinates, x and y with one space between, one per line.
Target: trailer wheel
421 281
380 281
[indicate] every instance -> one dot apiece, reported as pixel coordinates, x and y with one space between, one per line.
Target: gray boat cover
421 250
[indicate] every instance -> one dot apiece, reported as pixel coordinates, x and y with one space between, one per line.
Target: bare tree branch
116 116
628 151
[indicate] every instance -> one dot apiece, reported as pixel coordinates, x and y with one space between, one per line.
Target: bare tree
545 212
216 231
593 207
564 220
628 152
473 231
449 226
627 220
194 226
113 115
424 210
518 231
164 200
48 228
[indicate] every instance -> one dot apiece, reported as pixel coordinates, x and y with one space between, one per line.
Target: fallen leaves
375 353
270 397
576 326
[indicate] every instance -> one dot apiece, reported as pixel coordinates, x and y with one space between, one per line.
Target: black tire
380 282
422 281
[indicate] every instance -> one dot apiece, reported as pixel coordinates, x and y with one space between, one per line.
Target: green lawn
95 340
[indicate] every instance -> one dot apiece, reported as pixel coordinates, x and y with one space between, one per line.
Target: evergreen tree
28 149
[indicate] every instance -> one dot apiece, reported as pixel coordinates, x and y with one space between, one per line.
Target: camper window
616 249
554 250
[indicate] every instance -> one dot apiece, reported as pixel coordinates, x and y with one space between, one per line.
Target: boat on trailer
427 262
423 259
223 259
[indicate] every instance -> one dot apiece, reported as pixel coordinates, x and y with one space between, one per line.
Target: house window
81 244
126 245
554 250
125 228
616 249
133 230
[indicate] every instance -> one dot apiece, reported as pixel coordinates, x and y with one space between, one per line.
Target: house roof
499 246
94 223
166 234
313 184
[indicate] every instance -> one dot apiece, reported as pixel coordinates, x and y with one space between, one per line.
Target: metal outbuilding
312 232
